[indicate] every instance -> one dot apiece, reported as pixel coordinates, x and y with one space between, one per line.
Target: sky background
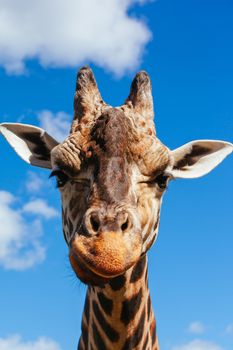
187 48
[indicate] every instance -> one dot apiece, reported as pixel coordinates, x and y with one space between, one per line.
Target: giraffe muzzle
106 255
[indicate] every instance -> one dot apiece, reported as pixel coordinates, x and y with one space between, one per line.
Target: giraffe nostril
95 224
125 225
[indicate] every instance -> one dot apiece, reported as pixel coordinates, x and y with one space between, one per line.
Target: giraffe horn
140 96
87 98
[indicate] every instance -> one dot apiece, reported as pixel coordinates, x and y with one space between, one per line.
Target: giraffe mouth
103 257
85 273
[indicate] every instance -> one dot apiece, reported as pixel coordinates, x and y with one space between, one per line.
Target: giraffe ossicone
112 171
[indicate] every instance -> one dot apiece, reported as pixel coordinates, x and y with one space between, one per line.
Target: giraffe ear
198 158
31 143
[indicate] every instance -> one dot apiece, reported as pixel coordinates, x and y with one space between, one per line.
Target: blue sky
187 48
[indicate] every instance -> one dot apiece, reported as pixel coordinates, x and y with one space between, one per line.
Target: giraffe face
111 193
112 171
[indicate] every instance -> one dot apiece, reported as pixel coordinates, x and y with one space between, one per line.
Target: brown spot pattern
112 148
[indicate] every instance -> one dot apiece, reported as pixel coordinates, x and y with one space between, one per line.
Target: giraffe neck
119 316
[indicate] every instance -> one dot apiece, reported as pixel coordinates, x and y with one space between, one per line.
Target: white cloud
198 345
56 124
70 33
20 247
196 327
16 343
40 207
229 329
34 182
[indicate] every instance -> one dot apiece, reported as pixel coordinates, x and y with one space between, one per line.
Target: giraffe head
112 171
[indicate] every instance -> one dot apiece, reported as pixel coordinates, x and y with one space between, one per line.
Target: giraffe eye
162 181
61 177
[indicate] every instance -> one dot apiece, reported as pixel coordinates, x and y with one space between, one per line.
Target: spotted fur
128 323
111 209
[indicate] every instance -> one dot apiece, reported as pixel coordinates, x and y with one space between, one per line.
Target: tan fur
108 255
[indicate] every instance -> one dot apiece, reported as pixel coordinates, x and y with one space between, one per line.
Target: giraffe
112 172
